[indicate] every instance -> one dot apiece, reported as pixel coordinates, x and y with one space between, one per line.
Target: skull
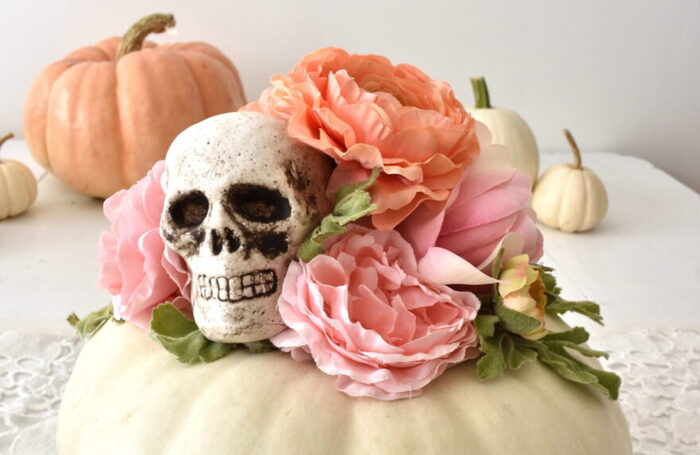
240 197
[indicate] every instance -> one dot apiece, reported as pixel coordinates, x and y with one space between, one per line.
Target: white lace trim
660 395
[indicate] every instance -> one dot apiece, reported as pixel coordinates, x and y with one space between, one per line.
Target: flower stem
481 93
134 37
574 148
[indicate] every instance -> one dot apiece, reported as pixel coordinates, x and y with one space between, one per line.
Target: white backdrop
623 75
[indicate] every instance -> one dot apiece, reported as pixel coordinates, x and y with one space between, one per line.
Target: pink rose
367 113
364 314
488 211
136 267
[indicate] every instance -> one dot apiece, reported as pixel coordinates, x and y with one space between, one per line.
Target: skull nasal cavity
258 203
189 210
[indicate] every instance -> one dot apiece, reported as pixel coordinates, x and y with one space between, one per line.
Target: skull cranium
240 197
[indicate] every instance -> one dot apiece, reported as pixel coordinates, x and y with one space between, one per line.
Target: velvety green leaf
492 363
552 351
589 309
352 202
574 335
259 347
588 352
486 325
91 323
516 354
550 282
181 336
516 322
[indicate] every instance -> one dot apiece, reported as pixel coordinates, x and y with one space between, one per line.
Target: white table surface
642 263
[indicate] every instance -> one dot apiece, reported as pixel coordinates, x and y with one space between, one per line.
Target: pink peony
488 210
364 314
367 113
136 267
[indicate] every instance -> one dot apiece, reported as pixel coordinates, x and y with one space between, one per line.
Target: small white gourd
508 129
17 186
570 197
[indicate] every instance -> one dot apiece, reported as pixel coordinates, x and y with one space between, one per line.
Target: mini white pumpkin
570 197
129 395
17 186
508 129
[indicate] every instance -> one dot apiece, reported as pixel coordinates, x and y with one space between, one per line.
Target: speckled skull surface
240 197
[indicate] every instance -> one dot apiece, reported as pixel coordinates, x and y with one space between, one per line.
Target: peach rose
523 290
136 267
366 113
364 314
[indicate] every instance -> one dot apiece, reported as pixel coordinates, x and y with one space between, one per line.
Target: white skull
240 197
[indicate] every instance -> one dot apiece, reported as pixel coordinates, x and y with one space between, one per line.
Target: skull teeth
251 285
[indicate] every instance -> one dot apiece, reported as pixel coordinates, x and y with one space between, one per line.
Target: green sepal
352 202
549 281
180 335
516 322
591 310
90 324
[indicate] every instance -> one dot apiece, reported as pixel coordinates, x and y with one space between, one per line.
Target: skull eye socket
189 210
258 203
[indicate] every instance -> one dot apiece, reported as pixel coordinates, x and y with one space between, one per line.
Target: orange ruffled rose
366 113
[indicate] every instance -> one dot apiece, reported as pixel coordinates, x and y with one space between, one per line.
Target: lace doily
34 369
660 395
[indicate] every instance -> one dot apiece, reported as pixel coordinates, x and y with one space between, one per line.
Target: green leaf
516 322
584 307
492 363
352 202
91 323
486 325
575 370
517 354
181 336
574 335
259 347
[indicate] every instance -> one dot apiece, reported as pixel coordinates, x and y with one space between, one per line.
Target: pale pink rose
488 211
136 267
364 314
367 113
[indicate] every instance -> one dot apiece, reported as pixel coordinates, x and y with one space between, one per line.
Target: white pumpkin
570 197
128 395
17 186
508 129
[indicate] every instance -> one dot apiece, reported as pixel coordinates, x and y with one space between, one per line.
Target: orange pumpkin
99 118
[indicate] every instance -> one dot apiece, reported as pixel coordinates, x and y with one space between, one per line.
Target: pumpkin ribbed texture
99 123
128 395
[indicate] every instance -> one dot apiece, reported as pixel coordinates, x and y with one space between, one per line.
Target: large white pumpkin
128 395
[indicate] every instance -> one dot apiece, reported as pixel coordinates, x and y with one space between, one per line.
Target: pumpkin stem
574 148
6 137
481 93
133 38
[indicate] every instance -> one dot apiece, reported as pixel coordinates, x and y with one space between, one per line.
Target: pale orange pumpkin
99 118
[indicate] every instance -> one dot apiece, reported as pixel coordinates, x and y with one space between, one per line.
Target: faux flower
488 211
364 313
367 113
523 290
136 267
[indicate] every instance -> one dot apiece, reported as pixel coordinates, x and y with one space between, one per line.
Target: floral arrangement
428 258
